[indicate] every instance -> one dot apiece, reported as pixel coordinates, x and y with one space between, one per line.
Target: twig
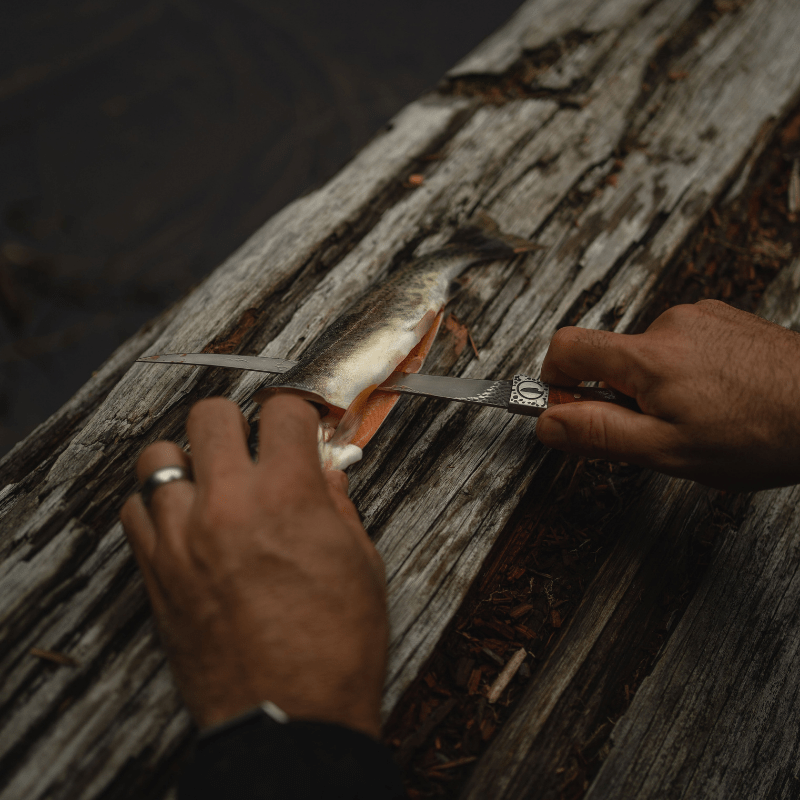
56 658
794 188
418 738
450 764
504 678
474 349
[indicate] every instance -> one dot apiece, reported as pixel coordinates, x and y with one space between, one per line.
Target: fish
391 328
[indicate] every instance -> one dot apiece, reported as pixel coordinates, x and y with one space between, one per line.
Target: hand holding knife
520 395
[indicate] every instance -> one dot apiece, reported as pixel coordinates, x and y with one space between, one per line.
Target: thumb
614 433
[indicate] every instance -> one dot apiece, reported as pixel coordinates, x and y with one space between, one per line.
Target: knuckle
158 454
679 315
711 305
210 408
157 450
297 497
223 509
563 338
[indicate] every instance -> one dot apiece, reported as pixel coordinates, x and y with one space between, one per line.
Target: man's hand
263 582
719 388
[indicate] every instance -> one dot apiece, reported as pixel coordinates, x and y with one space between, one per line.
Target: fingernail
552 433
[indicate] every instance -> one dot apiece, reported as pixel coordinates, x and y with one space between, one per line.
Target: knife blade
252 363
519 395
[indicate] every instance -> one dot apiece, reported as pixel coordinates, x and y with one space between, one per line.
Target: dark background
142 142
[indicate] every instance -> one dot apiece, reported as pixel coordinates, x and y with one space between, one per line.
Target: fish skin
364 346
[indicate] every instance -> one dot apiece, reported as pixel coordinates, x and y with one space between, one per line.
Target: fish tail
483 235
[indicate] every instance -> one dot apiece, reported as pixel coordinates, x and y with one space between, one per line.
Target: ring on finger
160 477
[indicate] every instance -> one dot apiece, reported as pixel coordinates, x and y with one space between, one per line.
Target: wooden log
718 716
608 174
672 742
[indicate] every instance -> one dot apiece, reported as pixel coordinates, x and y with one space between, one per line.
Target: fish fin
351 421
424 325
457 285
414 360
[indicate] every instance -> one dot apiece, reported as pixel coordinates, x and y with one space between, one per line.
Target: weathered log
667 740
718 716
607 173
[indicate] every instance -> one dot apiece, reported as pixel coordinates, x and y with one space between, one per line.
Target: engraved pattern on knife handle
531 397
528 396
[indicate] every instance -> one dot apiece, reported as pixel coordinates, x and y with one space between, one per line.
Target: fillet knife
519 395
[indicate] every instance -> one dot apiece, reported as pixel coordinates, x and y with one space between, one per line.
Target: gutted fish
390 329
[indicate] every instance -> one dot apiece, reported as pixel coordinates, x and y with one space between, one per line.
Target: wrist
268 708
356 712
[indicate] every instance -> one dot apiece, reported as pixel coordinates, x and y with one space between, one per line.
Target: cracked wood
439 482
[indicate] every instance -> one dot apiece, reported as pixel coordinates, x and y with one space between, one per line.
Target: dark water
142 142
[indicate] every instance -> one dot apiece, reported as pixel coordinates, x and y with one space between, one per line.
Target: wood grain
671 743
609 185
719 712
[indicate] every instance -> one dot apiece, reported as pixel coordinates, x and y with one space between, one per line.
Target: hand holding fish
263 582
718 387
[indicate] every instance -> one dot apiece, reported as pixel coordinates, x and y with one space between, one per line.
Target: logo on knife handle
531 390
528 396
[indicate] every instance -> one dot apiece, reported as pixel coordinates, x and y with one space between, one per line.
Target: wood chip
463 671
504 678
474 681
460 334
794 188
459 762
55 657
520 610
496 658
413 742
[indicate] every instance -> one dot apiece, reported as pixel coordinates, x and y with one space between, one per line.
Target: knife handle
531 397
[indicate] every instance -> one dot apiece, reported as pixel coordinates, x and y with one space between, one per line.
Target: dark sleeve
260 758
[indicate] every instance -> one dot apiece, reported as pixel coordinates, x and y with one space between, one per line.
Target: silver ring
162 476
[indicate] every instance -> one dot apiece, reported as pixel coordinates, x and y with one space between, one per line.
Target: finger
217 433
602 430
170 503
142 536
582 354
288 436
139 530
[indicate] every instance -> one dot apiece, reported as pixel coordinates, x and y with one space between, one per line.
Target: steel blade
253 363
464 390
